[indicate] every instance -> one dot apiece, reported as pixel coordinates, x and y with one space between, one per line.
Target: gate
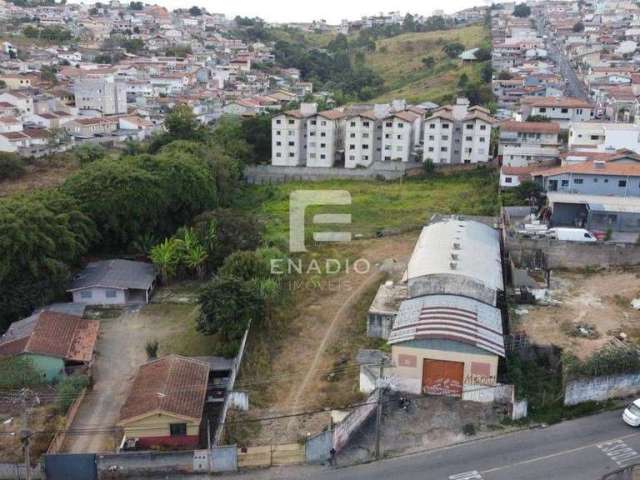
317 448
70 466
441 377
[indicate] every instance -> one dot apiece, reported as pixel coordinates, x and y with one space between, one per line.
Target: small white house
114 282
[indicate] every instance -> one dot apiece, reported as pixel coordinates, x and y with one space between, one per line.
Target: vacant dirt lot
599 302
324 335
120 351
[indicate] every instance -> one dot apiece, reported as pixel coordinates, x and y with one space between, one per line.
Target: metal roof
449 317
598 203
119 274
458 247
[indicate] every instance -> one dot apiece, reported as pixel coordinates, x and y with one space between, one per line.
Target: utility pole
25 433
379 408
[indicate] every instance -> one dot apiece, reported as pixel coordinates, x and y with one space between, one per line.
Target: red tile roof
563 102
174 385
592 168
56 335
530 127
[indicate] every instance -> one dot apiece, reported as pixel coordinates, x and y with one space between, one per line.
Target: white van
571 234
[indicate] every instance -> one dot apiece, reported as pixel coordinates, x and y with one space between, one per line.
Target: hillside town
404 245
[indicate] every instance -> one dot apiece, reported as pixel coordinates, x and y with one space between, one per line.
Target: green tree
227 305
453 49
578 27
429 62
11 166
486 72
165 256
195 11
522 10
18 372
86 153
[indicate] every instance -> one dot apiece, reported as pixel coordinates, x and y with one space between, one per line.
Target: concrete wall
140 464
455 284
409 363
99 297
379 325
52 368
13 471
601 388
561 254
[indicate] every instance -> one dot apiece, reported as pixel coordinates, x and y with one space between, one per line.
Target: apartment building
363 138
399 137
325 138
528 143
103 94
602 137
289 136
562 110
458 134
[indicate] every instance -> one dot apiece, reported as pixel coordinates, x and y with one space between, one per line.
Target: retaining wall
601 388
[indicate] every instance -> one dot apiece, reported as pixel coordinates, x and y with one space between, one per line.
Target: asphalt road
582 449
574 87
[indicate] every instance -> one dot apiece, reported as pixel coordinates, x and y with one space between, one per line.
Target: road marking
619 452
553 455
473 475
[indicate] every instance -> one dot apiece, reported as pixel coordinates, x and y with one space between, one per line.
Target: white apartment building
602 137
563 110
289 136
103 94
528 143
458 134
325 137
363 137
399 136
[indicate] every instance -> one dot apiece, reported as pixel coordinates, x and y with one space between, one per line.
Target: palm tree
194 257
164 256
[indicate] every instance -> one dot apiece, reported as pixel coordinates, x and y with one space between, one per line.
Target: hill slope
399 61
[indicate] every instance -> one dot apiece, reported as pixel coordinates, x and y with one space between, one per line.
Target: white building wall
98 296
361 142
438 141
288 141
397 140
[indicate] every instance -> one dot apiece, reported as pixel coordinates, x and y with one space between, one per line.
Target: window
594 137
312 134
278 132
445 137
432 126
323 156
323 134
323 123
431 137
278 143
177 429
291 122
508 180
365 135
388 124
352 147
565 183
353 124
622 183
278 155
445 125
365 124
468 139
292 144
323 145
365 157
313 122
400 125
482 139
86 294
443 149
399 137
469 126
387 135
578 181
431 149
353 135
352 157
387 158
542 110
365 146
278 121
565 110
399 148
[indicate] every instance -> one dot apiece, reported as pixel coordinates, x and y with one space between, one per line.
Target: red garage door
440 377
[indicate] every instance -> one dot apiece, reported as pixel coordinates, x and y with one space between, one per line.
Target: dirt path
120 351
324 331
373 278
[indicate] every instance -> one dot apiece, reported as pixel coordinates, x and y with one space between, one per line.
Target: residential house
562 110
92 127
165 404
114 282
22 100
524 143
15 82
55 343
456 134
603 137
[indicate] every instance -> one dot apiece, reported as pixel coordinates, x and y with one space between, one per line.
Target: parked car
571 234
631 414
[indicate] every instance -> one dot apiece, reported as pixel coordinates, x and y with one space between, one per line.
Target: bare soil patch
600 301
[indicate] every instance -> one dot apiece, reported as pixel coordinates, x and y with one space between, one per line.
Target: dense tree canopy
522 10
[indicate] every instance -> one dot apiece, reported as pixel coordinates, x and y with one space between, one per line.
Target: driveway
120 350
